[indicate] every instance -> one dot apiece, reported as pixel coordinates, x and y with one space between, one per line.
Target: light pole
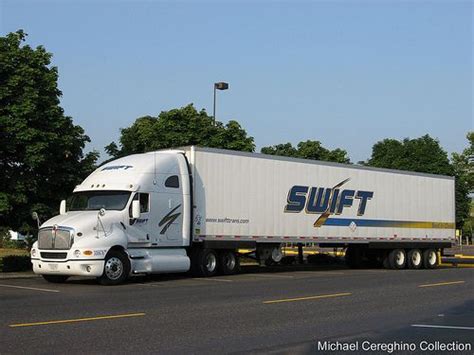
218 86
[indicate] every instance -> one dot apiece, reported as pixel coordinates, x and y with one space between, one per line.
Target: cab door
140 228
169 205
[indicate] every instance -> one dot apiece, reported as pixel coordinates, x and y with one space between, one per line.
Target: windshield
95 200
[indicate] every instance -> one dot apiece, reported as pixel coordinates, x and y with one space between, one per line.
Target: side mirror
135 209
62 207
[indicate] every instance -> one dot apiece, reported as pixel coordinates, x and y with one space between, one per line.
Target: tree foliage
41 150
464 163
424 155
308 150
464 171
180 127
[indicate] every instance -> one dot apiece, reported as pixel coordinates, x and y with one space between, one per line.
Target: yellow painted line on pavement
76 320
443 284
308 298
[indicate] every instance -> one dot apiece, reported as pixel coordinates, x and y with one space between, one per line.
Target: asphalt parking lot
279 310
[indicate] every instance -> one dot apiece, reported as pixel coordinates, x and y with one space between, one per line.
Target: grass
5 252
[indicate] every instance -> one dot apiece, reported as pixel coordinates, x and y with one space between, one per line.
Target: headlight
77 253
33 252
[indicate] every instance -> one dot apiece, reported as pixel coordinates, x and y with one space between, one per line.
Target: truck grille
49 255
59 238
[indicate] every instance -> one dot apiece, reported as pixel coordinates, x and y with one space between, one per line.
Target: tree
464 162
308 150
424 155
464 171
41 150
180 127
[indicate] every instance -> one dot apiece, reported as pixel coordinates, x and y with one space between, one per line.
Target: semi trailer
192 209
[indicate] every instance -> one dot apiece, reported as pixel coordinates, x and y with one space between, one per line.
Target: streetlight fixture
218 86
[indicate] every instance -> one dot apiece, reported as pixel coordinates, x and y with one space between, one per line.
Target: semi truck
192 209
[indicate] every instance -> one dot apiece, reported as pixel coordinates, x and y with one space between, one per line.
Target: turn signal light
87 252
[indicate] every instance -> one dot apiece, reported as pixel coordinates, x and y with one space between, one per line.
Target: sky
346 73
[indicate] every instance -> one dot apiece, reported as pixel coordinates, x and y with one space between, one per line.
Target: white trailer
192 209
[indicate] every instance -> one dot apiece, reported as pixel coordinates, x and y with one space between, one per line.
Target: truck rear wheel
414 259
205 262
430 259
229 262
397 259
56 279
116 268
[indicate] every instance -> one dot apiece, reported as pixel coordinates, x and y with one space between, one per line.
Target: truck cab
130 216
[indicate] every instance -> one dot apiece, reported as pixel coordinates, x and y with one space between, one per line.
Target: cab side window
172 181
144 203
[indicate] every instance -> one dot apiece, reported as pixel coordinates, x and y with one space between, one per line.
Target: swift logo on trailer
325 200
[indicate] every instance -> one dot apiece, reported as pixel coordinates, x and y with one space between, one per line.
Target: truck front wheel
116 268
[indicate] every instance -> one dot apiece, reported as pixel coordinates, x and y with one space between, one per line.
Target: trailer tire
414 259
229 262
397 259
205 263
430 259
56 279
116 268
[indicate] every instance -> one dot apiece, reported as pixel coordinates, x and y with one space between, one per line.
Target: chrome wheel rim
113 268
400 258
432 258
230 261
416 258
211 262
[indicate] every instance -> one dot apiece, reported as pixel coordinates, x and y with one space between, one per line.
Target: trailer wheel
397 259
229 262
205 263
430 259
414 259
56 279
116 268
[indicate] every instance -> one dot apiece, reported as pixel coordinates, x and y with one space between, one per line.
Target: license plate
53 266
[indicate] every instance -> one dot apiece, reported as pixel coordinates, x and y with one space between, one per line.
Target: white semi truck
192 209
